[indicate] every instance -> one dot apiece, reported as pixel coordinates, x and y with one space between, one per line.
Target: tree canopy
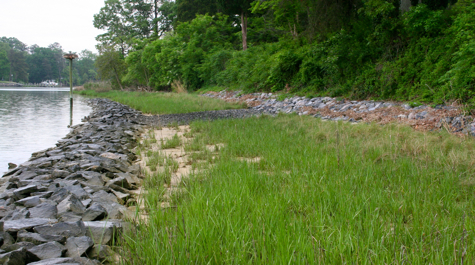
397 49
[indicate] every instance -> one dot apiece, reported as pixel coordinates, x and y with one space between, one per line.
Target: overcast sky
43 22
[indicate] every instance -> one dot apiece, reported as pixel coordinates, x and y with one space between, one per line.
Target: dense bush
424 54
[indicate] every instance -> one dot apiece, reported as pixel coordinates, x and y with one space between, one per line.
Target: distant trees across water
33 64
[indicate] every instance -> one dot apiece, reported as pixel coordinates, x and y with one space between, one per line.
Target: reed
369 195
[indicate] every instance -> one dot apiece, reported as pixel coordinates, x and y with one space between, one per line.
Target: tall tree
4 62
127 20
188 9
240 8
18 65
110 65
58 58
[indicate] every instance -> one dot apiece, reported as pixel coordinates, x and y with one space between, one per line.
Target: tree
188 9
110 65
58 58
4 62
18 66
240 8
42 65
127 20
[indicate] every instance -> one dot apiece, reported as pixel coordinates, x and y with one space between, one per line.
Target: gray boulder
44 210
71 204
38 239
103 232
94 212
17 225
48 250
67 229
77 246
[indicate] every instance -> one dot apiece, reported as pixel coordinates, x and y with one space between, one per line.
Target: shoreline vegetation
295 189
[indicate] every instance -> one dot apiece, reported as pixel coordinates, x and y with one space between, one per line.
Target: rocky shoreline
68 203
423 117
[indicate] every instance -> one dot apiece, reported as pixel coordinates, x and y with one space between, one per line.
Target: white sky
43 22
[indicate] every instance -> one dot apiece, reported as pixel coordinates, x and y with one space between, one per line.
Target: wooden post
70 56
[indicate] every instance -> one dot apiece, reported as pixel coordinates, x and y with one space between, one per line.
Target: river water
33 119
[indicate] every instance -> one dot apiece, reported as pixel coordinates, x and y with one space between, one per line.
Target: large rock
71 204
48 250
16 257
25 191
103 232
77 246
55 261
44 210
67 229
38 239
17 225
29 201
94 212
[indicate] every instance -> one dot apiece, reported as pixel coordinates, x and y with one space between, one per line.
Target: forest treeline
33 64
391 49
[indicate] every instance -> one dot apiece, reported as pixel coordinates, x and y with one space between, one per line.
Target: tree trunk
118 79
244 30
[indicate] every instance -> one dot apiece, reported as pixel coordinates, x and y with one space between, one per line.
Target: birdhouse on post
70 56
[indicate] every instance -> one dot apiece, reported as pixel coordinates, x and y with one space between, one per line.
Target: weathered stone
6 239
44 210
94 212
12 166
17 225
78 191
29 201
121 182
48 250
102 196
18 245
26 175
71 204
77 246
25 191
67 229
17 214
38 239
69 217
54 261
100 252
121 197
59 195
86 203
102 232
60 173
17 257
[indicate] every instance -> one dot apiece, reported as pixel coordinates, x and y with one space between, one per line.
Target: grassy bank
298 190
163 103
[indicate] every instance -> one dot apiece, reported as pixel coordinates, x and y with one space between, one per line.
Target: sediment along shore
69 203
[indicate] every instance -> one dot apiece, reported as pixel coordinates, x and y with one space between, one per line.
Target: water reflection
33 119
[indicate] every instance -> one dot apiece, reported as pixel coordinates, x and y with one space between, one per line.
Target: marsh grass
164 103
170 143
321 193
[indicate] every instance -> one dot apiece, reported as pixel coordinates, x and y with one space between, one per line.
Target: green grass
170 143
163 103
322 193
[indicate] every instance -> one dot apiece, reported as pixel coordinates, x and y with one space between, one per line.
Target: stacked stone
268 103
65 205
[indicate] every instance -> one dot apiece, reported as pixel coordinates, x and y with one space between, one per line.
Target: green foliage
183 55
281 74
358 49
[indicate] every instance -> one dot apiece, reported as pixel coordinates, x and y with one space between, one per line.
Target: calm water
33 119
